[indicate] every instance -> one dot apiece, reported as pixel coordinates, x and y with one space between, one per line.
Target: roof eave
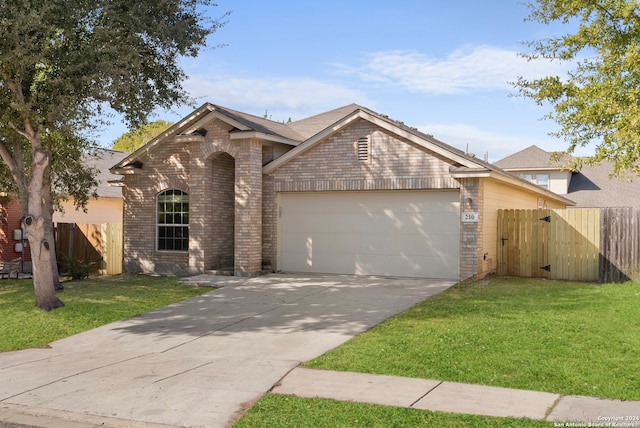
464 172
124 171
509 180
215 114
116 183
534 168
204 109
241 135
421 141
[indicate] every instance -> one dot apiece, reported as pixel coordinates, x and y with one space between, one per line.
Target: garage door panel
321 222
340 243
370 233
341 263
405 265
348 263
320 242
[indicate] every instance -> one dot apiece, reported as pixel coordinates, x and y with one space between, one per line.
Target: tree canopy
63 65
134 139
597 103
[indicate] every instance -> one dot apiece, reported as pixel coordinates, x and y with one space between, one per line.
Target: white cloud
293 97
469 68
486 143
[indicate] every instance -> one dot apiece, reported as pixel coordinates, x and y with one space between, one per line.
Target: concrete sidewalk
457 397
204 361
201 362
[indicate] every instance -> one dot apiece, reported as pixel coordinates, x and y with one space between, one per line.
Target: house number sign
469 217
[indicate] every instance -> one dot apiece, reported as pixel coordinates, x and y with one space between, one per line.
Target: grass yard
279 411
89 303
555 336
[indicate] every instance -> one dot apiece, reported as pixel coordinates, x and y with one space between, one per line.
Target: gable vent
363 149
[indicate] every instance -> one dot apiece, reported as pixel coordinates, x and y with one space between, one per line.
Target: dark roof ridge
259 124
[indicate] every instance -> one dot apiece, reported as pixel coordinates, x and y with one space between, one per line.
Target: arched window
173 221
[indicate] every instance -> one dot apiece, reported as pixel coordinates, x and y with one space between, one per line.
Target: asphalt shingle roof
261 124
593 187
590 187
310 126
102 160
530 158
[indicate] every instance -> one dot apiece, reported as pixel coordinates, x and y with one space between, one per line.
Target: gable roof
260 124
242 123
322 128
464 165
533 157
304 134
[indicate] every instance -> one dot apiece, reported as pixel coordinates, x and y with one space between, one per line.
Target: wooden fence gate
584 244
89 243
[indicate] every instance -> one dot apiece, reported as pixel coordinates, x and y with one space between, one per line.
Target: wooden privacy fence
585 244
89 243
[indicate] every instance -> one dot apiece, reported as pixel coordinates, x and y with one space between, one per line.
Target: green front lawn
555 336
279 411
89 303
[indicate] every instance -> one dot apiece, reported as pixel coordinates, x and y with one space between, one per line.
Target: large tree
64 63
132 140
597 103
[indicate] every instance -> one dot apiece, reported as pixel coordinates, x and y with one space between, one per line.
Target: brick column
248 208
199 171
470 233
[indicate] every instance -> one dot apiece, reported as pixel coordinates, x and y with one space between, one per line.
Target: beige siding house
348 191
108 206
589 187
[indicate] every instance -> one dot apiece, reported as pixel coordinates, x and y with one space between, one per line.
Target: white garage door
399 233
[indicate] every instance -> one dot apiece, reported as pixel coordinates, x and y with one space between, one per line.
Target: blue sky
442 67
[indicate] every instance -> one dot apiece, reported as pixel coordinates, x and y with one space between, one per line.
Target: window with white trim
541 180
173 220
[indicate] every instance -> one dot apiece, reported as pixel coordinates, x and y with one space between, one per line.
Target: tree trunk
40 236
42 247
49 232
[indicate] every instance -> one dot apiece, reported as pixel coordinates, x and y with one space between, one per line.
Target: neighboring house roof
589 187
103 160
532 157
593 186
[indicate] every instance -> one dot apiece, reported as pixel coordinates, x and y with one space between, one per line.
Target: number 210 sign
469 217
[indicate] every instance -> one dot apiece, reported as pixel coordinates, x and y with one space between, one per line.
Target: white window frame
533 178
182 226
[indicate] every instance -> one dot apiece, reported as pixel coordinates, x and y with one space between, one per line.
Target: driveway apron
204 361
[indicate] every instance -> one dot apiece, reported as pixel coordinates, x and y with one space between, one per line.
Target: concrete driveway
204 361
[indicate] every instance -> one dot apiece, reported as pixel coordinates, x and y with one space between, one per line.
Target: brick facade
224 181
10 216
248 208
332 165
233 206
470 233
165 168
